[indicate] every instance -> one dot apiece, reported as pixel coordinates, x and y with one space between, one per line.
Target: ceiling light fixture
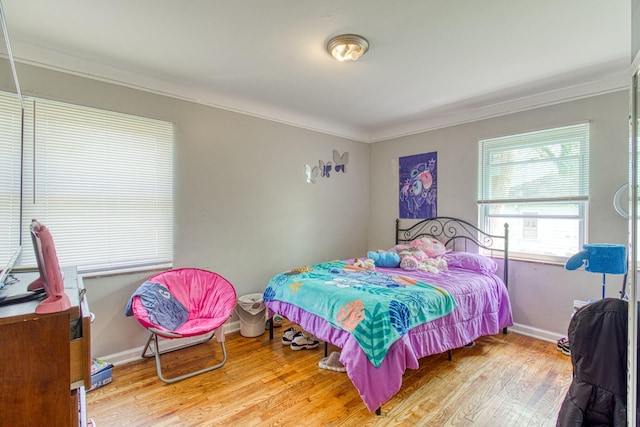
348 47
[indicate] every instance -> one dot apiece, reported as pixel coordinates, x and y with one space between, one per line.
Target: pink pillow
471 261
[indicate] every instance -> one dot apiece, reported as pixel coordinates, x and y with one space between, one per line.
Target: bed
455 305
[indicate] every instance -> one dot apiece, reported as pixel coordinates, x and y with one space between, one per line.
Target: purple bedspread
483 309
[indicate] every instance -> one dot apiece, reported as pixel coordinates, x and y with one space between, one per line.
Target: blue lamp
605 258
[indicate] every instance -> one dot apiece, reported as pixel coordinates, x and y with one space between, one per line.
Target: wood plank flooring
504 380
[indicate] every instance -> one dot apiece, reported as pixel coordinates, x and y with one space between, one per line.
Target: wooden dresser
45 360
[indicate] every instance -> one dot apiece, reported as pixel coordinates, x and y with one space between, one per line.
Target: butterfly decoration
340 161
312 173
325 168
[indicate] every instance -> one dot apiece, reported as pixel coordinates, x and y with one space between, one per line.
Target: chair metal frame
156 352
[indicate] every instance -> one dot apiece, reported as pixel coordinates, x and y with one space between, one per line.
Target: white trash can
253 315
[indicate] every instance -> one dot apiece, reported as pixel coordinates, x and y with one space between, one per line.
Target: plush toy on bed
409 262
367 264
430 246
384 258
434 265
414 251
410 257
415 258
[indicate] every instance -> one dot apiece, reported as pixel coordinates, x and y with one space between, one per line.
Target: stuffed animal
432 247
399 248
384 258
367 264
413 251
409 262
433 265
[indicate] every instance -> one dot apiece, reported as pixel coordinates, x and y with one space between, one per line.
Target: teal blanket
376 308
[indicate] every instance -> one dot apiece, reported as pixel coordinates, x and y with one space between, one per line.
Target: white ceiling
431 63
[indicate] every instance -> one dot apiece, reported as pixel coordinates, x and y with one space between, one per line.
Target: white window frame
502 197
101 181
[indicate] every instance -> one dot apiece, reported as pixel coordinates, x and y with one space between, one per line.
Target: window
530 227
538 183
101 181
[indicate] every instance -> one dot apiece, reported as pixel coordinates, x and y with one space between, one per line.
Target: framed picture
418 191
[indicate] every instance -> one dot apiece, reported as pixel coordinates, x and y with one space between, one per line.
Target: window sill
536 261
97 273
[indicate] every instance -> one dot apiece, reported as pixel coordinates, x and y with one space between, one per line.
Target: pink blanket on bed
483 309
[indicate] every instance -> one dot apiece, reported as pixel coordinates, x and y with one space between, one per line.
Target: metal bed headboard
459 235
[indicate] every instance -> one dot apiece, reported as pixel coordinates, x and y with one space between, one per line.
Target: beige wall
243 207
541 295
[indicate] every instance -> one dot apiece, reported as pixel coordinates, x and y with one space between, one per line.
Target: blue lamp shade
603 258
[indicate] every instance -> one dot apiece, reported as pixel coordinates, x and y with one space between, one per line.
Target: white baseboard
540 334
136 353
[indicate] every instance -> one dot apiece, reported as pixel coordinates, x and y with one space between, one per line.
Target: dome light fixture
348 47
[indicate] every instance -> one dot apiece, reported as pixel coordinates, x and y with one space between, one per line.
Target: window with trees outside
538 183
101 181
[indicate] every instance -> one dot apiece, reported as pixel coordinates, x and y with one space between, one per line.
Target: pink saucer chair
209 300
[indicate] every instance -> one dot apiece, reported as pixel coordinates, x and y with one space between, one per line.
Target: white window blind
10 131
538 182
103 184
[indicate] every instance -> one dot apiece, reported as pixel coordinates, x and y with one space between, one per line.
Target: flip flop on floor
332 363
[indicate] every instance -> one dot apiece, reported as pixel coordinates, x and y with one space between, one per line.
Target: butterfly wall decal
325 168
340 161
312 173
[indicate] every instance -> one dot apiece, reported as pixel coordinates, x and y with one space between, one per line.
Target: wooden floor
504 380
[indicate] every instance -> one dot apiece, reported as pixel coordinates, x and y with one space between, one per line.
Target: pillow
471 261
431 246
